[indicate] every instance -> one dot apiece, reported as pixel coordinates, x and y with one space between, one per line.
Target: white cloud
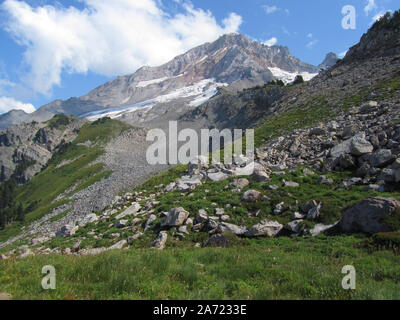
106 37
271 42
310 35
7 104
270 9
371 5
312 43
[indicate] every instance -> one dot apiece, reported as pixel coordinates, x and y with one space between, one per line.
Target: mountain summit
232 61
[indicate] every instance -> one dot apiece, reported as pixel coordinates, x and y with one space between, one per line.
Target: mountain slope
232 61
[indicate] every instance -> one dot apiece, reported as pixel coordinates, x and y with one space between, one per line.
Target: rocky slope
326 148
364 142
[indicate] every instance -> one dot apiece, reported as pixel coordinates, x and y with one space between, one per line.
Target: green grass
303 116
262 269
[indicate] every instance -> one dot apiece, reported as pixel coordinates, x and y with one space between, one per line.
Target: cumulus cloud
271 42
106 37
7 104
371 5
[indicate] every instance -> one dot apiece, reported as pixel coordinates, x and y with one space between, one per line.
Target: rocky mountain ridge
232 61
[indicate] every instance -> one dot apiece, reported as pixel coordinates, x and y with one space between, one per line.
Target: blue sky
61 49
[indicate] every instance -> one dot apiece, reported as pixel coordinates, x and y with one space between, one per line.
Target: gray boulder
160 241
266 228
217 176
175 218
240 183
227 227
251 195
360 146
67 231
315 212
88 219
381 158
119 245
131 211
295 226
366 216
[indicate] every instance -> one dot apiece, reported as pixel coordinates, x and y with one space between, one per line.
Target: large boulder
266 228
175 218
160 241
119 245
67 231
198 163
218 241
360 146
217 176
341 149
314 212
251 195
367 216
381 158
188 183
227 227
131 211
90 218
295 226
241 183
260 175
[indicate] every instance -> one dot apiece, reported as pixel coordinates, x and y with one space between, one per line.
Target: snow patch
144 84
201 91
288 77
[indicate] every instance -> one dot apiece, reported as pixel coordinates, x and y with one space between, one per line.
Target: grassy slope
44 188
261 269
282 268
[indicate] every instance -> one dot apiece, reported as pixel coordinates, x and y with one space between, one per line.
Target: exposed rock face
367 215
33 144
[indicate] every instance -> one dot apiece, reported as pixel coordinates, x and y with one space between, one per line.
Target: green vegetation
260 269
59 121
10 210
70 168
314 111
